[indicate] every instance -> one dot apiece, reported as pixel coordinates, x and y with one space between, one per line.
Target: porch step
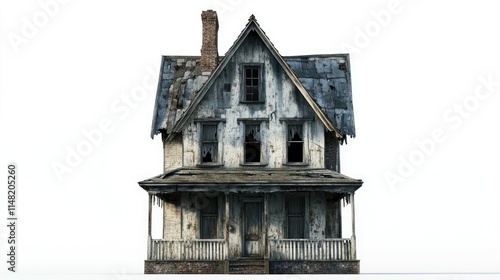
247 267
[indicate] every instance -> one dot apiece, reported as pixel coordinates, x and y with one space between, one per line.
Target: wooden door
252 237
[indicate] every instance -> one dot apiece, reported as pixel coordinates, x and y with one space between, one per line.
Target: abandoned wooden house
252 180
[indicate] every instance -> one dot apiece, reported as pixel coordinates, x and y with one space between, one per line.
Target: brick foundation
275 267
184 267
314 267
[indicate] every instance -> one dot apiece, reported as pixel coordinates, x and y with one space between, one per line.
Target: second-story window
295 143
252 143
252 84
209 143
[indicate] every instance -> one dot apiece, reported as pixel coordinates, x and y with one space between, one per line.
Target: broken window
295 143
209 143
252 143
208 214
295 211
252 84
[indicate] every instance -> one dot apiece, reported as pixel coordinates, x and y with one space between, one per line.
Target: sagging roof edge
154 130
350 187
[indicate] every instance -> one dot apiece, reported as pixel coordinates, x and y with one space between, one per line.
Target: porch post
353 238
150 215
266 225
266 235
226 235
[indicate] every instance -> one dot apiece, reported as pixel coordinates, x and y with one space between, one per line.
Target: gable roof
182 86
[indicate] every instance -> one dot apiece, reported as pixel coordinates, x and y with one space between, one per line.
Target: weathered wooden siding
317 213
282 101
235 227
276 216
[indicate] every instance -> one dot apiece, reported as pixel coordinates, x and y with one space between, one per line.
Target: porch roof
199 179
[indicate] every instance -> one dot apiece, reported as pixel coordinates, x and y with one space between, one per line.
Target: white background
68 66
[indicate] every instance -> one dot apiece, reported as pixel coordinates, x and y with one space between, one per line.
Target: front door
252 243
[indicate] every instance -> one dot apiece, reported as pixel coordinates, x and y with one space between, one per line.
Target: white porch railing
198 249
311 249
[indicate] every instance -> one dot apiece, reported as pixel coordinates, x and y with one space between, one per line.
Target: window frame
215 143
260 85
289 142
305 221
203 216
245 143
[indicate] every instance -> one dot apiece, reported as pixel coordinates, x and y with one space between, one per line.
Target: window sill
296 164
209 165
256 164
253 102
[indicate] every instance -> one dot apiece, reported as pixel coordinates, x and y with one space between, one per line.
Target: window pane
209 133
209 152
209 146
252 143
295 143
252 83
294 133
296 205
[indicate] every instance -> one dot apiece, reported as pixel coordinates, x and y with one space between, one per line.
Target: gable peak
252 18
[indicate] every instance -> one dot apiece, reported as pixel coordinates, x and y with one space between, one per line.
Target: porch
260 226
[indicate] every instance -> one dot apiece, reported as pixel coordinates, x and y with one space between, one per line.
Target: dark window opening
252 143
295 144
209 143
208 227
252 83
296 217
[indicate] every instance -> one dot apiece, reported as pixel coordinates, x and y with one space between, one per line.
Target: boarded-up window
295 216
252 83
252 143
295 143
209 143
208 217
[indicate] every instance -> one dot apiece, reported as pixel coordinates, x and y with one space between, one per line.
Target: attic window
252 84
252 143
209 143
295 144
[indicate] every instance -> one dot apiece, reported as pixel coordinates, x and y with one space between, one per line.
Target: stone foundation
314 267
275 267
184 267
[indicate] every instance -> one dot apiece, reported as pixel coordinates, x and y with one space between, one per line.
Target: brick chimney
209 52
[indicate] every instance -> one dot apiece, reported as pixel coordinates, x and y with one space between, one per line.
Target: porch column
353 238
150 215
266 225
226 221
